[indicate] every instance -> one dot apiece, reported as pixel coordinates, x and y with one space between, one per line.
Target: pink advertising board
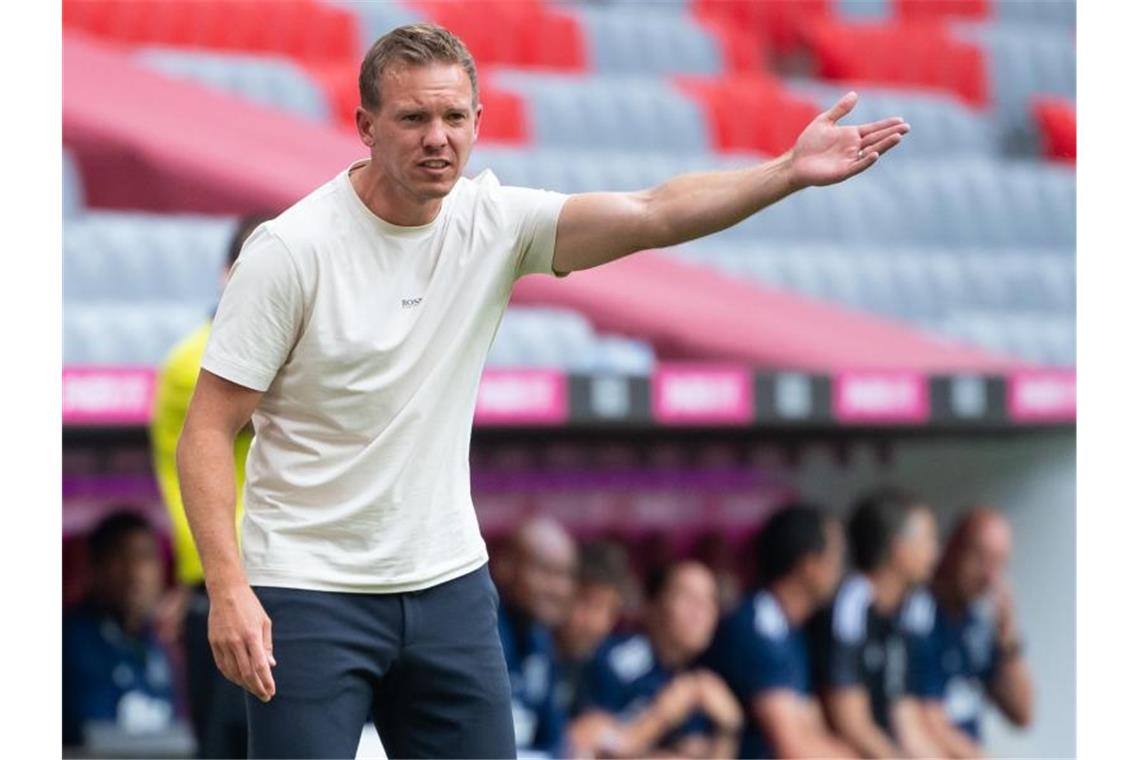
880 397
107 395
699 394
1042 396
522 397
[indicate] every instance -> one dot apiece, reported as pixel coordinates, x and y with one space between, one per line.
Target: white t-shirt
368 340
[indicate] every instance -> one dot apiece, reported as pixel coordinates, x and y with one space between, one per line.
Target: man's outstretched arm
595 228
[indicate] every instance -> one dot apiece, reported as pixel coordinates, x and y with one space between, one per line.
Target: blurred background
914 325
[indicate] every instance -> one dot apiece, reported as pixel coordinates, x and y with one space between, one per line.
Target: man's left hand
827 152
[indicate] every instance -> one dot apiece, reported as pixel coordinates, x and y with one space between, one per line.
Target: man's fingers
250 678
882 146
267 641
863 163
842 107
873 138
260 662
225 663
875 126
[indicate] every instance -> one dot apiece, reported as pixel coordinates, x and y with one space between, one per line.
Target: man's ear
364 123
478 120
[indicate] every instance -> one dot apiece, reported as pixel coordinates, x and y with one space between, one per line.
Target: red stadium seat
940 10
915 55
1057 119
305 30
779 23
750 112
512 33
743 49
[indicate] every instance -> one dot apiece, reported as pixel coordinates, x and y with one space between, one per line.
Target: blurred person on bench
645 694
858 647
761 648
537 584
601 588
114 669
965 642
217 706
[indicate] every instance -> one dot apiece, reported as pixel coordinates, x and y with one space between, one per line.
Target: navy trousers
427 666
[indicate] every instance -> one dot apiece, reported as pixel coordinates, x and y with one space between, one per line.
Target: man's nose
436 135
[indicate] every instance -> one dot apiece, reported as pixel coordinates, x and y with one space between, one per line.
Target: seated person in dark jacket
644 694
113 668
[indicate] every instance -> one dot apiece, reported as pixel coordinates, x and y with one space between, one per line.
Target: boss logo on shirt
410 303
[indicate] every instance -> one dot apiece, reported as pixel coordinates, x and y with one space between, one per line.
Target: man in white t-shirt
353 331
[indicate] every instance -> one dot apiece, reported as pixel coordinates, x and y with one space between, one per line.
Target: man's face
687 609
824 569
422 135
129 578
593 615
984 559
545 583
916 548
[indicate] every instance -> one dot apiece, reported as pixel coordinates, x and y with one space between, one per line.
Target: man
114 670
965 643
599 593
858 648
760 650
217 706
643 694
353 331
537 583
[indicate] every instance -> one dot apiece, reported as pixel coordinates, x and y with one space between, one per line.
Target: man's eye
412 117
458 116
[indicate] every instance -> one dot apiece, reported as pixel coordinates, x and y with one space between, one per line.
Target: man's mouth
436 163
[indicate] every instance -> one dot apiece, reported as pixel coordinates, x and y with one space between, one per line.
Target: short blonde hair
419 45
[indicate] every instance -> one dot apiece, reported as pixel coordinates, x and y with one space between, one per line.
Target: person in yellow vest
217 706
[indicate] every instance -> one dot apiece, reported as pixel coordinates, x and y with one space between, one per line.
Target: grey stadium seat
637 41
608 112
125 334
122 257
269 80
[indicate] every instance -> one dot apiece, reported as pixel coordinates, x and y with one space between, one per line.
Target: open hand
827 152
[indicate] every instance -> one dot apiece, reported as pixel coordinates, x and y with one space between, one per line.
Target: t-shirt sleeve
536 217
752 662
260 314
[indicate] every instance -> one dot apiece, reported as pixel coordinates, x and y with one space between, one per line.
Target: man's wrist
783 168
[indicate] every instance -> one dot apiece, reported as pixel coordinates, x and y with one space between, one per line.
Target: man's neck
793 600
370 187
887 590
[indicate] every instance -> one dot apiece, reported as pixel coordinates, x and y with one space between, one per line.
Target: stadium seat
305 30
1022 63
125 334
607 112
916 55
1057 123
73 201
753 112
1058 13
941 10
575 171
941 124
563 339
126 257
374 20
511 32
271 80
780 25
640 41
